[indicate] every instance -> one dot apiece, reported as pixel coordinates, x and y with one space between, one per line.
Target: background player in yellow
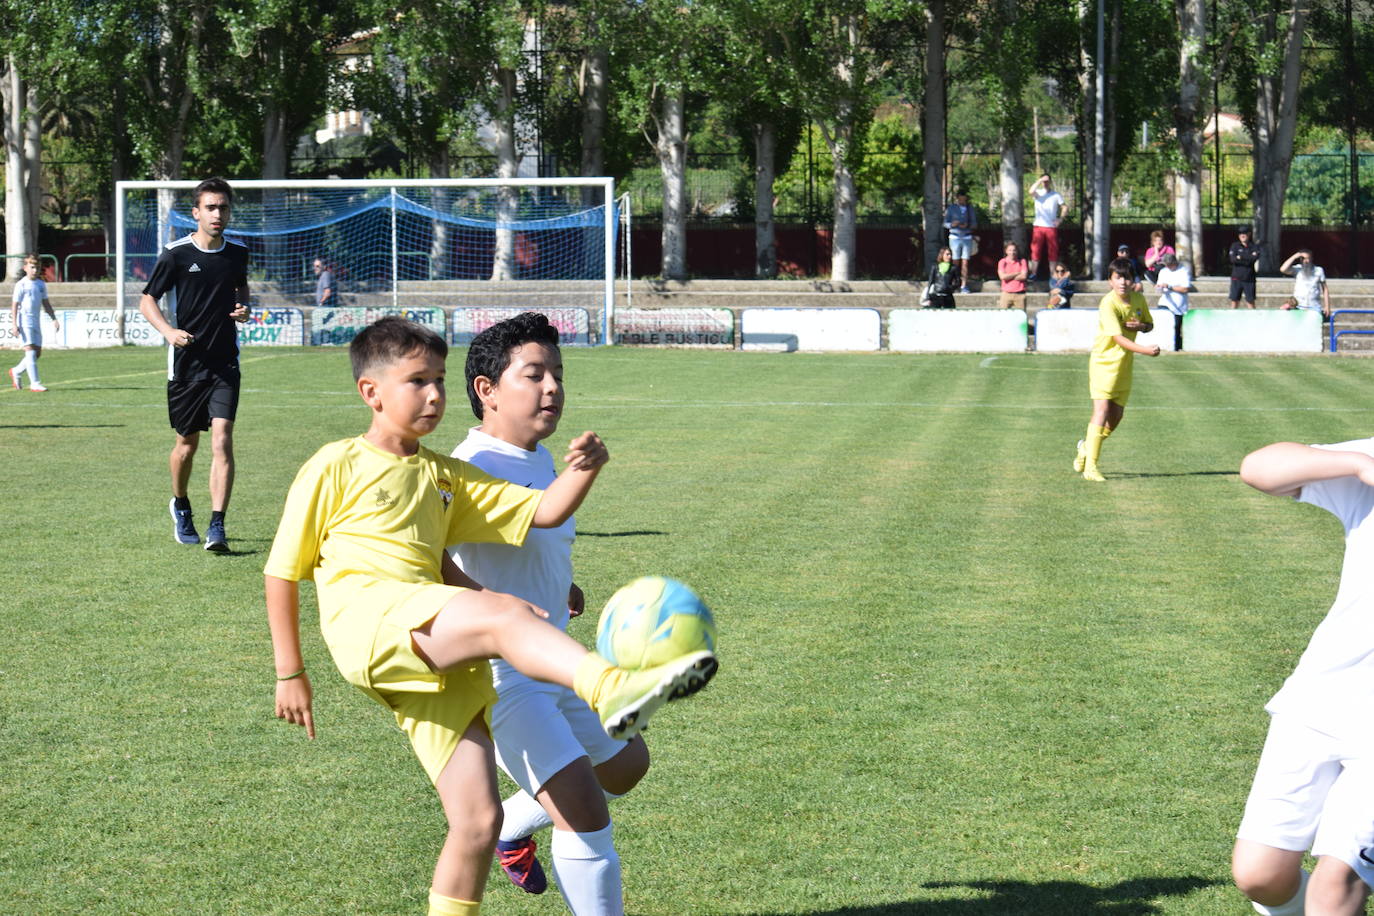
1121 315
368 519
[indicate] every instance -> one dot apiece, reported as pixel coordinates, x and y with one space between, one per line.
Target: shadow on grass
620 534
1135 897
1132 475
62 426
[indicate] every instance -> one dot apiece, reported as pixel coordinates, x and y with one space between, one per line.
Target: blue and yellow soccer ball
652 621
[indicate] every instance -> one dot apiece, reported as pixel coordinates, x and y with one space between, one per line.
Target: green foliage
938 644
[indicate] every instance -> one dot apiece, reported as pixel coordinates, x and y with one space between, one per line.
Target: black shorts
191 405
1239 286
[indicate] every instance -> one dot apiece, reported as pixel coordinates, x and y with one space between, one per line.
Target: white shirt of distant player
30 295
1332 688
1178 276
541 571
1307 288
1047 204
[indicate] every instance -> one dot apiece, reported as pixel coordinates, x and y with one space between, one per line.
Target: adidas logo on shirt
195 268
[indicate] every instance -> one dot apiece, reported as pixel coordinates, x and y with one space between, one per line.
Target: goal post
457 244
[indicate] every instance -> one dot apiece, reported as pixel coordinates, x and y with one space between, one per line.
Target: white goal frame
607 185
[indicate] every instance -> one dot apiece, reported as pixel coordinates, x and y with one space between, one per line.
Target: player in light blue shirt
29 301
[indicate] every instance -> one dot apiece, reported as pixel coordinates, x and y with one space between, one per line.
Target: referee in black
207 276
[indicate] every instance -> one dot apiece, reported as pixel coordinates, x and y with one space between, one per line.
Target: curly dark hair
390 339
489 352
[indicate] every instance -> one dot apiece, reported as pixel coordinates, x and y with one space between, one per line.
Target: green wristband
288 677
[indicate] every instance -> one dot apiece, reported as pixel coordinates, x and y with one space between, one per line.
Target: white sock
587 869
22 365
1293 907
31 364
523 816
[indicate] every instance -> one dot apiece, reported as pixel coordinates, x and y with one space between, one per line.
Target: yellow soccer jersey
370 529
1109 366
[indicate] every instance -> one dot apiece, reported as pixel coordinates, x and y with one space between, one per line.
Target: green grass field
957 680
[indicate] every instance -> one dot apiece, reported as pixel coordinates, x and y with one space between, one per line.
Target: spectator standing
961 219
1173 283
1012 270
1242 257
944 280
1309 282
325 293
1049 210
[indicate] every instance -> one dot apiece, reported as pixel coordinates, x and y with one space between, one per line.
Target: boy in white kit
29 301
1314 786
547 739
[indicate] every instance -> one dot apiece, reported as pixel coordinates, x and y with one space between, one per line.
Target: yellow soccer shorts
432 709
1110 382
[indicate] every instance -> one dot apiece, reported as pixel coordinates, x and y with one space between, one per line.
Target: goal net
456 254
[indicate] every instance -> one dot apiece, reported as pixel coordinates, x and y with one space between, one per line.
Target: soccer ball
652 621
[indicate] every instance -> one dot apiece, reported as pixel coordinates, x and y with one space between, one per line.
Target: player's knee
1262 882
478 829
623 772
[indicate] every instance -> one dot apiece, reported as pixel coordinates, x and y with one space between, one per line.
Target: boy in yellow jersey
368 519
1121 315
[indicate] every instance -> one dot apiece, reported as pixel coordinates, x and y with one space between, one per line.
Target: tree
1192 28
933 113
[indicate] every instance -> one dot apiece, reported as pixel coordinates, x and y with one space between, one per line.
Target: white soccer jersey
1332 688
541 571
30 295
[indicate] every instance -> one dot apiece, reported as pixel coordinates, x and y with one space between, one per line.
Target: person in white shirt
1309 282
30 296
1173 283
1049 210
548 740
1314 785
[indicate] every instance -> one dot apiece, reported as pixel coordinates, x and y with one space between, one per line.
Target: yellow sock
439 905
590 677
1092 443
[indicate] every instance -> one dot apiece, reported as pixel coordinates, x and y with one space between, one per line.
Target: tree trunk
33 165
672 162
933 132
844 238
1011 175
274 141
16 200
592 88
1276 102
1188 123
507 165
440 166
765 239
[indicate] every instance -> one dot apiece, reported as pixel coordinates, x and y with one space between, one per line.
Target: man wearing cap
1242 256
1123 253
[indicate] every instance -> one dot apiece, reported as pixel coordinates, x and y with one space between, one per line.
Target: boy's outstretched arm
293 684
586 456
1284 468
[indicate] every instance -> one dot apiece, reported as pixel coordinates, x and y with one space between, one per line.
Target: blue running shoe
183 529
518 861
215 542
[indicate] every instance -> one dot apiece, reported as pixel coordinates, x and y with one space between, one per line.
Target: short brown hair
391 339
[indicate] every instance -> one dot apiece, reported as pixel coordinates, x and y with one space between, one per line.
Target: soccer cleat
183 529
627 707
38 387
1094 475
14 378
215 542
1080 460
518 862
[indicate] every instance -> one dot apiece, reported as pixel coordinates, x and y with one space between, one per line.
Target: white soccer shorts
540 728
30 332
1312 791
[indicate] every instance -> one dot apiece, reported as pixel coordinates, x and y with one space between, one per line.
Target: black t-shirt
204 283
1243 258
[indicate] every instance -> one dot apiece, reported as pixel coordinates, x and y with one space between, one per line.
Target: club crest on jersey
194 268
384 499
445 492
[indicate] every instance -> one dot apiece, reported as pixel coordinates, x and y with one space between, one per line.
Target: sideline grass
956 679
